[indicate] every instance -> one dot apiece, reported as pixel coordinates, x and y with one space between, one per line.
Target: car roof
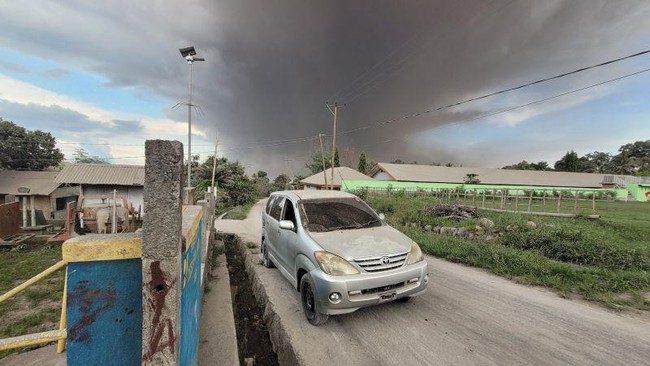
308 194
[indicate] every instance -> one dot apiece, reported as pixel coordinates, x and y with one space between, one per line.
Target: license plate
387 297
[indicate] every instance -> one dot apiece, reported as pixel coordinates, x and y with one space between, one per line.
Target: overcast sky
106 76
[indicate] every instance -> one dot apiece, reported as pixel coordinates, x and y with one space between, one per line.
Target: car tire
308 301
266 261
404 299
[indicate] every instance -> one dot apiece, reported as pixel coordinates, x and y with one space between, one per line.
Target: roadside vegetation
606 260
38 308
239 212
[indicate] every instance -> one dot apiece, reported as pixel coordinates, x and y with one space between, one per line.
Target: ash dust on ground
252 335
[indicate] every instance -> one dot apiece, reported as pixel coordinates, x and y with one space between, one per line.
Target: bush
577 247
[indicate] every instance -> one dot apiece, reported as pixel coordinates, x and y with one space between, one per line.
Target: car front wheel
309 302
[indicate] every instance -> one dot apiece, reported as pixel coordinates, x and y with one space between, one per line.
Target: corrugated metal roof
344 172
105 174
441 174
39 183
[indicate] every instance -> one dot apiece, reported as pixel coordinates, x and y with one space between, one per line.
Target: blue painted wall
191 299
104 313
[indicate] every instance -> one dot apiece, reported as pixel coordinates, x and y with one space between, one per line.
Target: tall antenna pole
334 112
322 157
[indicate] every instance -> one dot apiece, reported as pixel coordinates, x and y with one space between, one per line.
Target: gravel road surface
467 317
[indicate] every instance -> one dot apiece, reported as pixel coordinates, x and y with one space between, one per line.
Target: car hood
363 243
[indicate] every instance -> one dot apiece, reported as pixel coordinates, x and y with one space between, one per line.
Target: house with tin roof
97 181
317 181
491 176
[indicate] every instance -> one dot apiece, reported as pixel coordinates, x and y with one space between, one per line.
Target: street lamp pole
189 53
189 131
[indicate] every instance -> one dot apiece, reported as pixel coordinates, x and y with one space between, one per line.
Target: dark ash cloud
272 65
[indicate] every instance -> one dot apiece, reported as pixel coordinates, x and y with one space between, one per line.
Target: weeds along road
467 317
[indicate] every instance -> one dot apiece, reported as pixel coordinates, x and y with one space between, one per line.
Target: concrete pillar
24 211
32 207
161 252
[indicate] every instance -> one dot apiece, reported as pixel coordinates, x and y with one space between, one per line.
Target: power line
489 114
416 114
502 91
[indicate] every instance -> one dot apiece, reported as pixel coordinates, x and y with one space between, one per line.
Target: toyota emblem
385 260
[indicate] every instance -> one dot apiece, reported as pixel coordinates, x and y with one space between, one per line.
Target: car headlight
415 255
334 265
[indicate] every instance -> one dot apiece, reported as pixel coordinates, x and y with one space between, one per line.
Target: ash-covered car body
338 252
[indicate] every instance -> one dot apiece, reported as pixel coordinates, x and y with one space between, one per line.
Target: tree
398 161
363 165
315 162
595 162
569 162
81 156
636 155
337 163
281 182
472 178
22 149
524 165
295 182
234 188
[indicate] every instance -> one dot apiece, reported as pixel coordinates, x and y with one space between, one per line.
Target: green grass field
38 308
606 260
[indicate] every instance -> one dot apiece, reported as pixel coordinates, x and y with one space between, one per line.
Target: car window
289 213
269 203
341 213
276 209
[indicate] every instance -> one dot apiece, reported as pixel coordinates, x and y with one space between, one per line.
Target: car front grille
383 263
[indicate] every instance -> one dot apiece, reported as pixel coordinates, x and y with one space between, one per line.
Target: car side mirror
382 217
287 225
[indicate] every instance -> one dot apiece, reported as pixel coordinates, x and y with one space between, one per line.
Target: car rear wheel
266 261
309 302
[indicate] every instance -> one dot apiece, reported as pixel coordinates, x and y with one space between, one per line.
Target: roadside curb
280 338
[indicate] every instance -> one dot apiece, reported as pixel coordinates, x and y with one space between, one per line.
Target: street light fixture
189 54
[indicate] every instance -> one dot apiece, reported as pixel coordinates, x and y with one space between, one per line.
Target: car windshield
338 214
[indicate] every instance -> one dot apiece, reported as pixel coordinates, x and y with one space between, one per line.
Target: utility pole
289 167
322 156
214 164
334 113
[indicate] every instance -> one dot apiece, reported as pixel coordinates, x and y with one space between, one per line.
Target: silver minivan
339 253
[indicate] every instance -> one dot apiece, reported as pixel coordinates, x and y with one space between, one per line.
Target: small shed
36 191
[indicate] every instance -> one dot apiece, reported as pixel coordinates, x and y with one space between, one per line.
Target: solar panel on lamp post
189 54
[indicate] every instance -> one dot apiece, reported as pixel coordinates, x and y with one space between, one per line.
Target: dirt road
467 317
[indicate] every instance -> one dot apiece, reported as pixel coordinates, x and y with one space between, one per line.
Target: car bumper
367 289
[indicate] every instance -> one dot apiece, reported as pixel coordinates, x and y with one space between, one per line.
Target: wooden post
516 200
575 202
503 198
593 201
544 198
559 201
484 193
474 198
530 200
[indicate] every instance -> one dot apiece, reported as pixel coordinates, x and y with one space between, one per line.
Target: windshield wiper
355 226
369 223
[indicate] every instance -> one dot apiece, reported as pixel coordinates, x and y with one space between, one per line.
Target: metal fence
577 201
